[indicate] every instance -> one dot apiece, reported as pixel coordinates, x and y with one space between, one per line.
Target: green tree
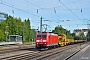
16 27
88 36
82 36
77 38
2 36
2 31
27 28
61 30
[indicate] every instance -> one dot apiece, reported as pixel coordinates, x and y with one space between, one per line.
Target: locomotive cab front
41 41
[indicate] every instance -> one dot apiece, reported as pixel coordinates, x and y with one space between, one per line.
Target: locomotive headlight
37 40
44 40
44 43
37 43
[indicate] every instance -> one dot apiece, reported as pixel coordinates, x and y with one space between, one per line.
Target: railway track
19 48
39 55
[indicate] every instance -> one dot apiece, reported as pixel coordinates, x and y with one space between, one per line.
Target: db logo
41 40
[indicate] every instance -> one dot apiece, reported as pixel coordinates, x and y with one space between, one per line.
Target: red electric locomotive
46 40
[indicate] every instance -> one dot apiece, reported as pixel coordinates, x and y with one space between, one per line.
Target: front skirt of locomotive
41 46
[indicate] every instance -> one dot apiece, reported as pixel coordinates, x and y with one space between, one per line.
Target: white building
79 31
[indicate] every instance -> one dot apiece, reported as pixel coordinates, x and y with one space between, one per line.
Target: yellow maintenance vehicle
62 40
70 41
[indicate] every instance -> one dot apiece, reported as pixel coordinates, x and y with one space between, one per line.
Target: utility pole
23 34
6 33
41 25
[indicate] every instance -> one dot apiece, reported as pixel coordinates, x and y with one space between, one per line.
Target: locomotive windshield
41 36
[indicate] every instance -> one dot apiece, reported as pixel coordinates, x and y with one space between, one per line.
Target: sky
71 14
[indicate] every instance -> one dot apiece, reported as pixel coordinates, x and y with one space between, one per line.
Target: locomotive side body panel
53 40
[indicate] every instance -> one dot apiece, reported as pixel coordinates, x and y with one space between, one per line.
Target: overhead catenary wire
69 10
67 3
37 10
11 6
76 5
82 10
79 10
30 12
34 4
47 8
